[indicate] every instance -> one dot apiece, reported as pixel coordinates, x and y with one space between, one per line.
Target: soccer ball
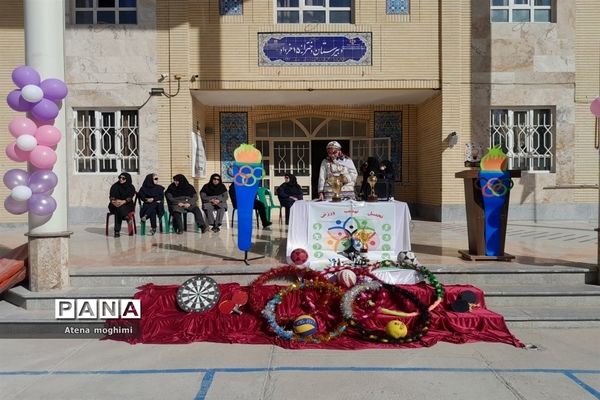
299 256
407 258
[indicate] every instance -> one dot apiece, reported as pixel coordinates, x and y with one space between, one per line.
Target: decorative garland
270 313
349 297
432 280
289 272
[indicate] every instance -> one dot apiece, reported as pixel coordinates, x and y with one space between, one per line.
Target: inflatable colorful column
495 184
247 173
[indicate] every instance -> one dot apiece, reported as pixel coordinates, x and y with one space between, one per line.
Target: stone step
24 298
508 274
512 275
541 296
549 317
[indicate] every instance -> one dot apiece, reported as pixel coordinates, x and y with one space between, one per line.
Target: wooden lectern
476 218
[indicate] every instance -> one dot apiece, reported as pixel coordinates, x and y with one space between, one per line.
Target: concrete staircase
527 296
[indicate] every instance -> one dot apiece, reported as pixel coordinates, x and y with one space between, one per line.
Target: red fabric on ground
163 322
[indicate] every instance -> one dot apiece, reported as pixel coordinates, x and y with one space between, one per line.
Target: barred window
92 12
526 136
521 10
106 141
314 11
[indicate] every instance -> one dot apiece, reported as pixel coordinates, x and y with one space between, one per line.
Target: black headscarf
210 189
122 190
150 189
388 172
183 189
292 188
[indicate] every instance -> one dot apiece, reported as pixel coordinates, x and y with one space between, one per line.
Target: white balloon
26 142
21 193
32 93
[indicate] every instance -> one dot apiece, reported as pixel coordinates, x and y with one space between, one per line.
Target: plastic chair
265 196
255 213
131 227
225 217
183 219
165 217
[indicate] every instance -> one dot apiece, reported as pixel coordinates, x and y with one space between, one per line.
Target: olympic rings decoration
423 317
494 187
270 311
248 175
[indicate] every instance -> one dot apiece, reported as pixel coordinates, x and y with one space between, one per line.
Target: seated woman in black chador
385 180
258 206
214 198
288 193
371 165
151 195
182 197
121 201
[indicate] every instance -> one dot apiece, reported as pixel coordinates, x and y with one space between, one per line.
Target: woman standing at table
337 164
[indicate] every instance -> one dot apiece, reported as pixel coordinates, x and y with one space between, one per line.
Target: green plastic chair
165 218
265 197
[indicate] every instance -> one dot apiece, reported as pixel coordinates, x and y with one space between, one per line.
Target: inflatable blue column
495 185
494 188
246 177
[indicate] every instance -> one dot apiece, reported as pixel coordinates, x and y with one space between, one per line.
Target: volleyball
407 258
305 325
346 278
299 256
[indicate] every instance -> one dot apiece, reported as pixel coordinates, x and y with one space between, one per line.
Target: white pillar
48 236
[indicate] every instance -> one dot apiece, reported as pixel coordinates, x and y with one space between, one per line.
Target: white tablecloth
325 229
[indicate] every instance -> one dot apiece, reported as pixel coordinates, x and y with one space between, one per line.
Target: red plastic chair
131 225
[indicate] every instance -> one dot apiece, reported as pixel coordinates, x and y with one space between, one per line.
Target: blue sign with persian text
310 49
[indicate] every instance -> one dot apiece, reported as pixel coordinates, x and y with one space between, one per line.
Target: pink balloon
43 157
17 103
22 126
48 135
16 154
15 207
45 110
595 107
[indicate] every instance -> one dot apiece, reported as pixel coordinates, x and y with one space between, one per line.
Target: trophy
372 180
363 237
336 183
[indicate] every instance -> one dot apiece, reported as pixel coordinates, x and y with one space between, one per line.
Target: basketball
299 256
305 325
346 278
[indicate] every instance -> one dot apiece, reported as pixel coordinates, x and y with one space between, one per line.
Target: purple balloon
42 181
44 110
41 204
15 177
25 75
54 89
17 103
15 207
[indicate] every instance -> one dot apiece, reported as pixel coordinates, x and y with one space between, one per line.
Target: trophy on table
336 183
363 237
372 180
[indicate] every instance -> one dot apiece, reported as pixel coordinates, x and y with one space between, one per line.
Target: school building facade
152 83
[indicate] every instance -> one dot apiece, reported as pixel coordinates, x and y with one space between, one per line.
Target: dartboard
198 294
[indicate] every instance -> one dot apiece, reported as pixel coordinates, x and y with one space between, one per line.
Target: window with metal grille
313 11
106 141
92 12
522 10
526 136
